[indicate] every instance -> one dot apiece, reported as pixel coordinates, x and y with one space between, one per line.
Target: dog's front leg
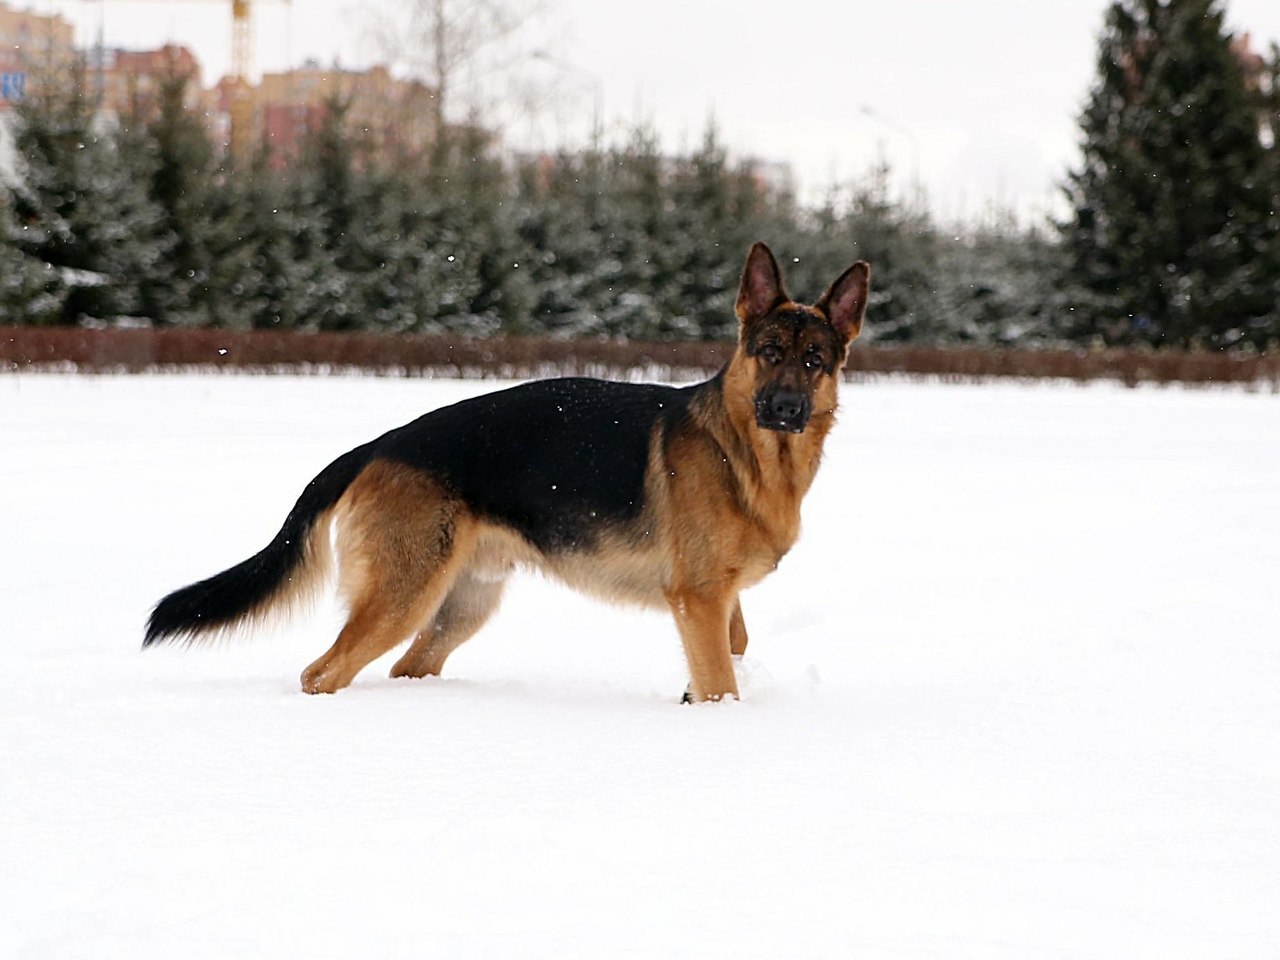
737 630
702 616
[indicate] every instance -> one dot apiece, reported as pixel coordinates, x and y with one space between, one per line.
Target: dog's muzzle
781 409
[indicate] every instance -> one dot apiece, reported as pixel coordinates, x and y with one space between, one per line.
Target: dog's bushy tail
285 573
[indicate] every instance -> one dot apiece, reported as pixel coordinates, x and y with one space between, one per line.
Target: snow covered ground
1015 694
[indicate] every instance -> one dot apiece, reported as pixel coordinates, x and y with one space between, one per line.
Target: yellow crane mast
241 65
241 107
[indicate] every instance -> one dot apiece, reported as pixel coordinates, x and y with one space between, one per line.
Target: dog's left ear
845 302
761 287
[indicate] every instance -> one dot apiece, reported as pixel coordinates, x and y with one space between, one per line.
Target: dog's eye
813 360
771 352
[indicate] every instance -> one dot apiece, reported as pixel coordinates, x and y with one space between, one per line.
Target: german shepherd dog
659 495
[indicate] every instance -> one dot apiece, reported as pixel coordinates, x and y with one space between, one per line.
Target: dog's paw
690 697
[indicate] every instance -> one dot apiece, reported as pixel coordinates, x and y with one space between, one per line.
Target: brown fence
140 350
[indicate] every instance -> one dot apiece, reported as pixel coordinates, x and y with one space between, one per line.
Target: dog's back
554 460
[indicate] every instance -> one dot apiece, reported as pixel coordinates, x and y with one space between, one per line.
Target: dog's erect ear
845 301
761 287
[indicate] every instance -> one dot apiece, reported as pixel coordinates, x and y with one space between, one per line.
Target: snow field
1015 693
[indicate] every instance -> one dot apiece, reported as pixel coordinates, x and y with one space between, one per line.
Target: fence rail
141 350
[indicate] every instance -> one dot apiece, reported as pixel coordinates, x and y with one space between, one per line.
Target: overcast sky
979 98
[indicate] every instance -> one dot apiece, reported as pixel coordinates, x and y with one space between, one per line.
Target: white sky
980 97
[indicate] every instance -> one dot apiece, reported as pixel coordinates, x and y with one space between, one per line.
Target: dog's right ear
761 287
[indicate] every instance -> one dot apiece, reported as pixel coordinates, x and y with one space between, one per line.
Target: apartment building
387 115
32 47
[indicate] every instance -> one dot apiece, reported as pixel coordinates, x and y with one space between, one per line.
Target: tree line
1172 235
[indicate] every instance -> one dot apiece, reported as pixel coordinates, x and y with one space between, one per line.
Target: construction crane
241 106
241 65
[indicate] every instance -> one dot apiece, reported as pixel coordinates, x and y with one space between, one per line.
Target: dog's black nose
786 406
782 410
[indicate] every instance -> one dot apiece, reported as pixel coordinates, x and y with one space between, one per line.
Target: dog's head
796 351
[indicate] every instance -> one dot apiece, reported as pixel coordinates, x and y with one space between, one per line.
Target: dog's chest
769 542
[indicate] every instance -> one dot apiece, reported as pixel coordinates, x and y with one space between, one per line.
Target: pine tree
711 226
423 279
1172 210
1268 82
257 281
447 255
560 219
636 228
174 151
321 196
81 211
31 292
989 285
899 241
484 209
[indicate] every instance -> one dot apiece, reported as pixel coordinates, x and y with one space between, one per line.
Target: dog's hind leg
401 544
373 629
469 604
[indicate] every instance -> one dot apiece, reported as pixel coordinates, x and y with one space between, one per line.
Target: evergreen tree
446 243
625 242
31 292
561 219
989 287
423 280
322 196
713 209
1269 92
485 214
81 212
899 242
169 150
637 226
257 280
1172 232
